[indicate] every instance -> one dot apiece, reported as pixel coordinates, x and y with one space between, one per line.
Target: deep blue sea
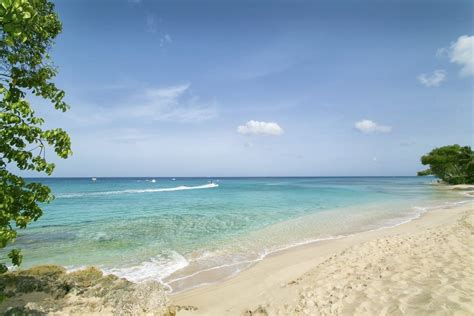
177 230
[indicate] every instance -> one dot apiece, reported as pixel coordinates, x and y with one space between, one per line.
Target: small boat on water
94 179
153 180
174 179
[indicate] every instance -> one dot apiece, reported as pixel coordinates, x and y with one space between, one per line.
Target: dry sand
423 267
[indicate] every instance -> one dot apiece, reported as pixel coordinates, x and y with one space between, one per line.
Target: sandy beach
425 266
421 267
236 158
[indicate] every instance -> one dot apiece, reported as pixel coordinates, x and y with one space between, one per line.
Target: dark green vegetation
27 31
452 164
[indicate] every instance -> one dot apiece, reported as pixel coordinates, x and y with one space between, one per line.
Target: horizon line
222 177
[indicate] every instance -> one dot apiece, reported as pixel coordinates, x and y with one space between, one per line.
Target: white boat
173 179
153 180
94 179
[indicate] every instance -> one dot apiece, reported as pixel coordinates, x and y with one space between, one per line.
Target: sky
261 88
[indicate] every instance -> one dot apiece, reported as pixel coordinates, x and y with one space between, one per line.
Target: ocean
186 232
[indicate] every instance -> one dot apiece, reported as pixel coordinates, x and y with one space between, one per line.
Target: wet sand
425 266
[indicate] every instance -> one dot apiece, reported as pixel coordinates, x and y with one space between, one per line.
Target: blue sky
262 88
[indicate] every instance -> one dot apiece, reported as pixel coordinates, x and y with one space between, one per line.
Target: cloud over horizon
146 106
260 128
461 52
171 104
180 80
368 126
433 80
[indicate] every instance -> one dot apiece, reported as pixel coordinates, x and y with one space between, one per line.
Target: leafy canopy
27 31
452 164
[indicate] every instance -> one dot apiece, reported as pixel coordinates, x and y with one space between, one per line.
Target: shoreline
265 234
218 274
212 279
421 265
266 280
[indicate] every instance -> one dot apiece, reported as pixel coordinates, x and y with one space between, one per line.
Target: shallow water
178 231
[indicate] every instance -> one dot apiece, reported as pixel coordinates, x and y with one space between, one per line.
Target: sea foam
156 268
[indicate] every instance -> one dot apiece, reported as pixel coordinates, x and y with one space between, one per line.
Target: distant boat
94 179
174 179
153 180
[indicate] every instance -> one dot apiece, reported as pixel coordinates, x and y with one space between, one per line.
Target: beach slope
425 266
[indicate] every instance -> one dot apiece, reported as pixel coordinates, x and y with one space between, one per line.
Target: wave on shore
157 269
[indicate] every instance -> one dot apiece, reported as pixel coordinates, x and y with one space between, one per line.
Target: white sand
419 268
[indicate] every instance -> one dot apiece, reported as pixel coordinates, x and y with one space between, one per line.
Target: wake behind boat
132 191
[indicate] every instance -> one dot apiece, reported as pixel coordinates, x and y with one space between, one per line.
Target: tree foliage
453 164
27 31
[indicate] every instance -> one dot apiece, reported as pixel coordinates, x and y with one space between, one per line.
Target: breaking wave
156 268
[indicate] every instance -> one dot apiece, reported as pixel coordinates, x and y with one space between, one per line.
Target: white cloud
442 52
169 93
462 53
433 80
260 128
146 105
151 24
165 39
368 126
170 104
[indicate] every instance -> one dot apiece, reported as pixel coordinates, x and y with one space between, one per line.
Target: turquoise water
179 231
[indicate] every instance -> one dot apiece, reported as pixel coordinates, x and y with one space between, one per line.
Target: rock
142 298
48 279
84 278
260 311
23 311
50 289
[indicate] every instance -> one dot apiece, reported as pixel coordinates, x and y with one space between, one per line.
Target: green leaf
29 28
15 256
